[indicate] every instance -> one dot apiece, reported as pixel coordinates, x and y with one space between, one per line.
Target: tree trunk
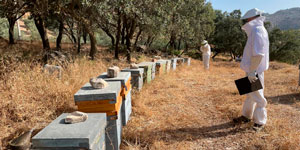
79 40
129 35
118 36
73 36
123 30
179 44
137 37
39 23
93 44
11 21
84 35
60 35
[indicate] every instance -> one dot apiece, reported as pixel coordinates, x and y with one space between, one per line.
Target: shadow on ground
288 99
191 134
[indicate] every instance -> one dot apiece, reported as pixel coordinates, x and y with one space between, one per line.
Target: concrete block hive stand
89 135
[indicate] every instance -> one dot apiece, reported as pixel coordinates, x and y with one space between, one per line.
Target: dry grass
30 98
192 109
187 109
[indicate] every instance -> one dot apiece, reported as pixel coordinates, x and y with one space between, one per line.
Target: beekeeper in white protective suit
254 62
205 49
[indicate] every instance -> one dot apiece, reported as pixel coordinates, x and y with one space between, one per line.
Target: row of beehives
108 110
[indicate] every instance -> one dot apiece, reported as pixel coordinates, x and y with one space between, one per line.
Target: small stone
134 66
98 83
76 117
157 57
113 72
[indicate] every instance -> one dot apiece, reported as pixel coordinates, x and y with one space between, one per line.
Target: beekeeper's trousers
205 59
255 105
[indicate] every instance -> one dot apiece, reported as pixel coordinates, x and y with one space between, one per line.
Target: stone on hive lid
134 66
98 83
76 117
113 72
157 57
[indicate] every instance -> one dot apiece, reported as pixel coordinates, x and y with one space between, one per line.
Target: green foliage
229 36
285 46
194 54
3 27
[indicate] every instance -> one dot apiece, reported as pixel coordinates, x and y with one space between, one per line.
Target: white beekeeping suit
254 62
206 52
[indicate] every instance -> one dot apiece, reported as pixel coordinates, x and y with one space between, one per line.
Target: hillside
188 109
286 19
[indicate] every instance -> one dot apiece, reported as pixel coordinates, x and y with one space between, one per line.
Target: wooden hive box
107 100
173 63
137 79
160 67
125 79
89 135
148 67
153 68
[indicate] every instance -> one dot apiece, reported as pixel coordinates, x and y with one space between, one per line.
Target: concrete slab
173 63
113 136
126 109
84 135
136 77
87 93
123 77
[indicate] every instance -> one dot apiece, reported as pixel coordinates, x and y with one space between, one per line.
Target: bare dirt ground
192 109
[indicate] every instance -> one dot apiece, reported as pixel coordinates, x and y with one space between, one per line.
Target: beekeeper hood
252 13
204 42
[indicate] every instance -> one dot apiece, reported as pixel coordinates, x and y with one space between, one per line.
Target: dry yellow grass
193 108
186 109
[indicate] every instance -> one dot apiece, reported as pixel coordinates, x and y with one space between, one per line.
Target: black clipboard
244 86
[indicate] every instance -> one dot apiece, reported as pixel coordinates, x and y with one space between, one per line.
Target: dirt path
192 109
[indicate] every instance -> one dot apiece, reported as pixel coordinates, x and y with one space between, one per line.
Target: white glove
252 76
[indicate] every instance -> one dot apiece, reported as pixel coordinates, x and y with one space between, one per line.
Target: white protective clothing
256 59
255 105
257 44
251 13
206 52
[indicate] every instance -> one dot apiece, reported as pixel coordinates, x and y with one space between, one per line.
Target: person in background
206 52
255 61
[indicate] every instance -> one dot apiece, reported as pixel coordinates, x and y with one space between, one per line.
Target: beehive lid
123 77
161 62
146 64
133 71
87 93
79 135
